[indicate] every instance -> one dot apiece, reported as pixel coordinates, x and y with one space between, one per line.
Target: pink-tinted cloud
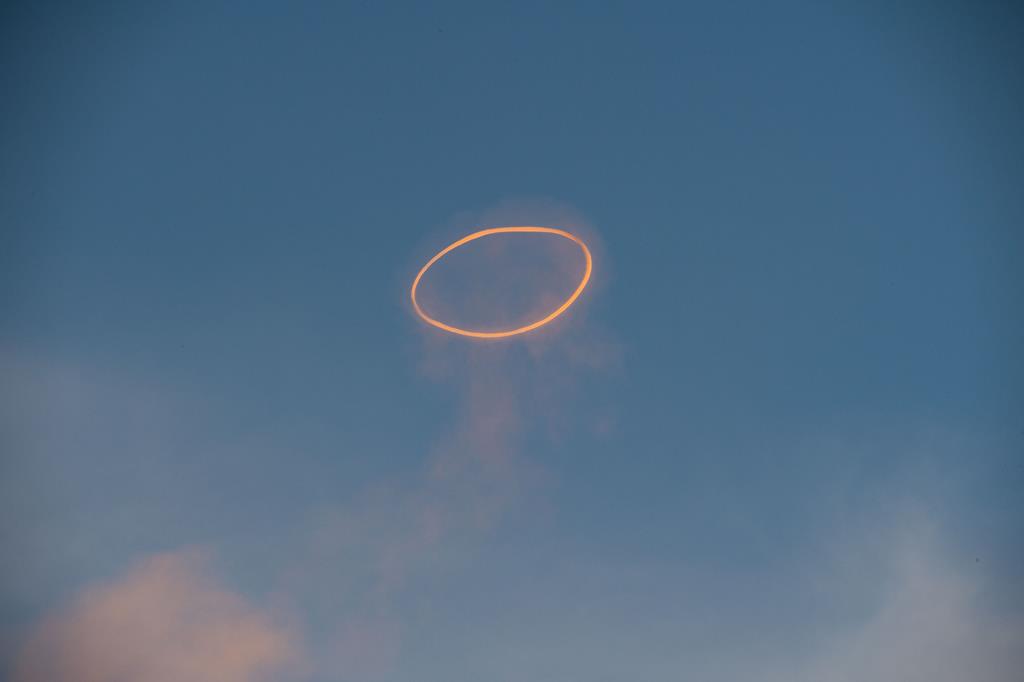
165 620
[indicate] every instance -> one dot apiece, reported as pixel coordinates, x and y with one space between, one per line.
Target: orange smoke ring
509 332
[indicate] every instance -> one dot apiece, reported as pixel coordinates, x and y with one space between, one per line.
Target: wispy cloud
478 470
374 550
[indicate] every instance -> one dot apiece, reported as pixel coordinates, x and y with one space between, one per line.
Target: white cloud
930 623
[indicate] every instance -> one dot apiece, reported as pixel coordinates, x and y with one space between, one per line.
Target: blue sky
784 421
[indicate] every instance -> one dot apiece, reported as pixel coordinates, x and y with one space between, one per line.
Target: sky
778 437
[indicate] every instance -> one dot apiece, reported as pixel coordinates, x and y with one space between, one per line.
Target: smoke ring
509 332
